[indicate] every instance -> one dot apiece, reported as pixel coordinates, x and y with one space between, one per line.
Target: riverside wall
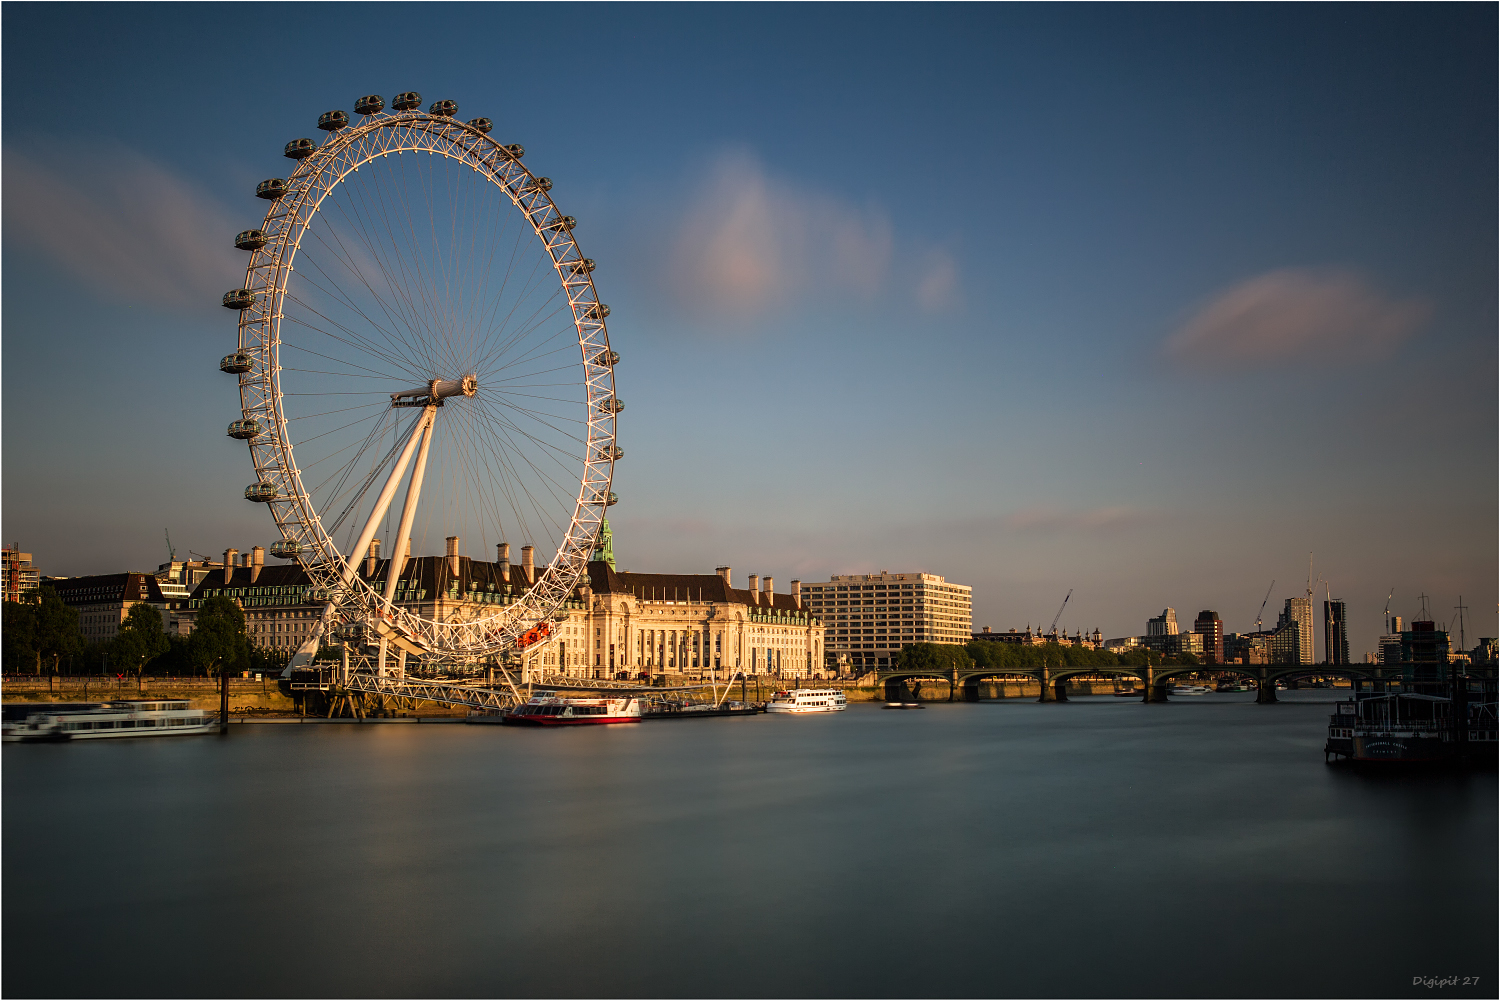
245 694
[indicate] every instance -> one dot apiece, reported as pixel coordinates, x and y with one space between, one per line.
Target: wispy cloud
937 284
749 241
125 225
1100 520
1296 313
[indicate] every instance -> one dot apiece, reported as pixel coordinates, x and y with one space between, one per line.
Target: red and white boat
549 710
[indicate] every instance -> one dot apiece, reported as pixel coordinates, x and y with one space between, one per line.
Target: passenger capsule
444 109
270 189
612 405
246 429
298 149
261 492
607 358
480 125
235 364
317 594
563 224
612 452
332 121
240 298
538 184
286 549
250 239
597 312
406 101
369 104
614 499
516 151
579 268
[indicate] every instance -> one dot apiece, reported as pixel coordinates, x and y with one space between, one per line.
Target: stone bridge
963 684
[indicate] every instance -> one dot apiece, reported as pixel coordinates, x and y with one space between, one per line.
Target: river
1098 847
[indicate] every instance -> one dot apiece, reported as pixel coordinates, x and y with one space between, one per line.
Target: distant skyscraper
1335 633
20 575
1292 642
1211 628
1164 624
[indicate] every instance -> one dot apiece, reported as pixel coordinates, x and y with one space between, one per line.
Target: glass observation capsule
246 429
240 298
332 121
596 312
261 492
369 104
286 549
607 358
583 267
235 364
271 188
407 101
612 500
538 184
298 149
516 150
612 405
614 452
480 125
445 109
563 224
250 239
317 594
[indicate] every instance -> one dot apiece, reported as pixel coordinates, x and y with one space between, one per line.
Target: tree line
40 634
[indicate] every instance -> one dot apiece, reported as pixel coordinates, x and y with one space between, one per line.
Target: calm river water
1095 848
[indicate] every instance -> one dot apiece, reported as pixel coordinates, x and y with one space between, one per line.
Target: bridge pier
1265 688
1155 691
1048 694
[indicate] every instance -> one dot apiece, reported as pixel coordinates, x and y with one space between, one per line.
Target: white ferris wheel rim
489 629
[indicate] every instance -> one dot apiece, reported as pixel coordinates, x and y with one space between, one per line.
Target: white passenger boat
546 709
124 718
1188 690
808 700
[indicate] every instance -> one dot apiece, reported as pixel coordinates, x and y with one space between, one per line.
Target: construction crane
1263 605
1053 630
171 553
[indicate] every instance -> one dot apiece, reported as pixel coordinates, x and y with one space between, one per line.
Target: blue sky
1144 301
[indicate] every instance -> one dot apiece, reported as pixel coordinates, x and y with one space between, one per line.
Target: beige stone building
870 617
616 626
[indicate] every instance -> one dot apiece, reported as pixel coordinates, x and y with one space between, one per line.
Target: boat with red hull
550 710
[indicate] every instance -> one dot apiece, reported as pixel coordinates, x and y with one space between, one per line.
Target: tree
939 658
55 626
18 632
141 638
218 644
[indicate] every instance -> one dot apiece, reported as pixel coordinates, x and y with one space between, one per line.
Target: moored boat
550 710
808 700
122 718
1188 690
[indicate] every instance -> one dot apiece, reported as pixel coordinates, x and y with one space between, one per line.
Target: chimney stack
372 557
504 552
453 555
229 559
797 593
528 564
727 573
754 587
770 586
257 560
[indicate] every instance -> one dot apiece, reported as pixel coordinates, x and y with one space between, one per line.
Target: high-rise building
1335 633
1164 624
20 575
870 617
1211 628
1292 640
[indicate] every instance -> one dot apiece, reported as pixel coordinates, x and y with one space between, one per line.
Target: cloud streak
1296 313
1053 521
131 228
749 242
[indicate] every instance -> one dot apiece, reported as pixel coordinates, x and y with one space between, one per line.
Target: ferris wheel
416 309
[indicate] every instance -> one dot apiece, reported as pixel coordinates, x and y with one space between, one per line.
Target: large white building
868 618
